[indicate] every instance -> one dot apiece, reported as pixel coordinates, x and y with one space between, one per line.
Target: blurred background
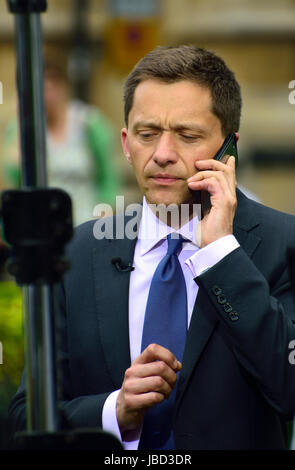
90 46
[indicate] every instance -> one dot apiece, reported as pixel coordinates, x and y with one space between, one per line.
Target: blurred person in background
80 147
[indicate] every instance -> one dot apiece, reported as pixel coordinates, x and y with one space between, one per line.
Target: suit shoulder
96 232
84 232
269 214
255 210
84 235
273 223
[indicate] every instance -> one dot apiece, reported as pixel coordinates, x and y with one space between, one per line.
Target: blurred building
102 39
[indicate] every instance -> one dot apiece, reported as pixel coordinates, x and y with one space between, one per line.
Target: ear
125 146
237 136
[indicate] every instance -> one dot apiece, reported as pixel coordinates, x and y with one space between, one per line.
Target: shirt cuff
110 423
211 254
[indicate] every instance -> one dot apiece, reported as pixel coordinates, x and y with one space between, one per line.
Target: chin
166 198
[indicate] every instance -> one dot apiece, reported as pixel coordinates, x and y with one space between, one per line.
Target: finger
211 185
218 177
231 162
143 401
156 368
212 164
224 193
227 171
148 384
155 352
200 175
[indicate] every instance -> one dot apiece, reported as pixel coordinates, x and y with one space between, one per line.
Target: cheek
190 157
138 166
203 152
140 158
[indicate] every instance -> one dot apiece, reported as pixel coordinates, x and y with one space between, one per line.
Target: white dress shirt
151 247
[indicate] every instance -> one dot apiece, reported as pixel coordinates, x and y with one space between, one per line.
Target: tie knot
174 243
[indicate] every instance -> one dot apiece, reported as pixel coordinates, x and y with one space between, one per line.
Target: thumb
231 162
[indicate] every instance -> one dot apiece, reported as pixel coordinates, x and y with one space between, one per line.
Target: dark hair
172 64
55 71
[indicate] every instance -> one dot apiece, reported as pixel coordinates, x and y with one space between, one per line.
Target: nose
165 151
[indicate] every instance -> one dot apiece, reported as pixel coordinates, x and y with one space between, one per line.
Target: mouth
165 178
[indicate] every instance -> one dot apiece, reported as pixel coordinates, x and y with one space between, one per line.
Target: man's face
170 127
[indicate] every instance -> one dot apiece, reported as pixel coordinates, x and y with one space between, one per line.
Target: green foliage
12 339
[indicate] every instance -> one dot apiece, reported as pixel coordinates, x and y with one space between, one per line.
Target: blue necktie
165 323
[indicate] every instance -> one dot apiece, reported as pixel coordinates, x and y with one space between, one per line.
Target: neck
176 215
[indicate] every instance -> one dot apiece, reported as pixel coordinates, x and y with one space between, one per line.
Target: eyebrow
177 127
146 124
190 126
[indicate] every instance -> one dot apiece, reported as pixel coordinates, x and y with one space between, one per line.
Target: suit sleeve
258 316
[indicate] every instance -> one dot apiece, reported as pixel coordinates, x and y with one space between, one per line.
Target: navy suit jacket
237 387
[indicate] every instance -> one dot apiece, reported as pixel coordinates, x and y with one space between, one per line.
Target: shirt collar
153 231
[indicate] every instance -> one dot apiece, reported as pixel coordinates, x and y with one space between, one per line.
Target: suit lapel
245 223
203 320
112 300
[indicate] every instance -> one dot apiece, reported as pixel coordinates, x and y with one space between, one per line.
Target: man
231 386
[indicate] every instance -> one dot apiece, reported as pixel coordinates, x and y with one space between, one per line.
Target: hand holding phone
216 181
228 148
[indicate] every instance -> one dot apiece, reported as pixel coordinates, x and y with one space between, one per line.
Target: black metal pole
38 306
41 384
30 91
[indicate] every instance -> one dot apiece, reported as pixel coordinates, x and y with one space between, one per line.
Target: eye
147 135
189 137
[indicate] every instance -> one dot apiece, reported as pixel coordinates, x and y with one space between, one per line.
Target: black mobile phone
229 148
